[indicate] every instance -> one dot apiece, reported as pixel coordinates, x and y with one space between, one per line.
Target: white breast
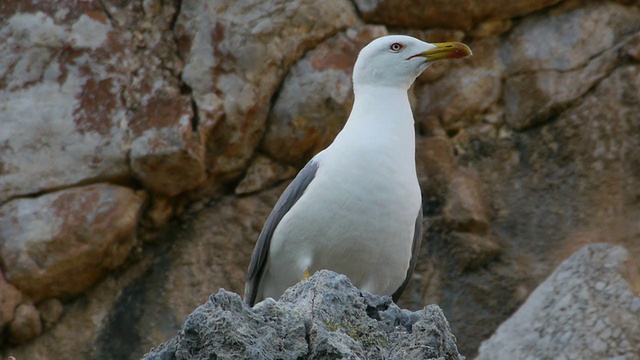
357 216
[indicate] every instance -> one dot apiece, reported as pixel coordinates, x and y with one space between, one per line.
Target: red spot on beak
457 54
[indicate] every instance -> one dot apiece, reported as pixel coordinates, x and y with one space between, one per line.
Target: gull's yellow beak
448 50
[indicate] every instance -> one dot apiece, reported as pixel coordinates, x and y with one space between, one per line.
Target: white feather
358 214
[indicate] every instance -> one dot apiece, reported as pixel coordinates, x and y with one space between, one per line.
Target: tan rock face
167 155
569 38
10 298
60 103
264 173
544 56
188 98
465 208
60 244
436 164
467 90
316 98
25 325
471 250
50 312
237 53
459 14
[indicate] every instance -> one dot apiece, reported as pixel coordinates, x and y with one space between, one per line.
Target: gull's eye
396 47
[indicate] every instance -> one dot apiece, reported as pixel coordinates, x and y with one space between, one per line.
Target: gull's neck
382 112
380 126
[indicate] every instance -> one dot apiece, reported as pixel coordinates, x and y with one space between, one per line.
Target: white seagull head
397 60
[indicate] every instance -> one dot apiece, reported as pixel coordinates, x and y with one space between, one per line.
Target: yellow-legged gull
355 208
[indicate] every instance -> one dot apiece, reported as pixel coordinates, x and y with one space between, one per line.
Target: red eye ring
396 47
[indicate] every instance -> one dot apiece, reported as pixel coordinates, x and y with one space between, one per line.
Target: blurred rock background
143 143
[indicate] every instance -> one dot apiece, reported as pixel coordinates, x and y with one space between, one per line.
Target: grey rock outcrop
586 309
325 317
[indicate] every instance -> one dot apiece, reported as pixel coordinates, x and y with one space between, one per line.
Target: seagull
356 207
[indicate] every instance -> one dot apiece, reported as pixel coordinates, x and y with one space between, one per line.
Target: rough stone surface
236 54
471 250
10 298
460 14
569 38
50 312
632 48
552 188
61 243
324 317
25 325
544 113
436 165
97 325
585 309
542 65
264 173
465 208
60 102
469 88
167 155
316 97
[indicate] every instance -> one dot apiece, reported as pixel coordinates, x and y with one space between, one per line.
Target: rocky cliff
143 143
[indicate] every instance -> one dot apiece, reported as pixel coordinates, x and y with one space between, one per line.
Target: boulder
316 97
324 317
235 57
589 308
60 102
59 244
457 14
25 325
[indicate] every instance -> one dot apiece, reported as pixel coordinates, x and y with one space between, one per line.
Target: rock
10 298
544 55
458 14
603 146
632 47
324 317
533 98
568 39
546 115
158 213
435 164
211 252
238 52
50 312
263 173
469 88
58 244
316 97
465 207
436 70
545 186
60 102
491 27
96 325
585 309
167 154
25 325
472 250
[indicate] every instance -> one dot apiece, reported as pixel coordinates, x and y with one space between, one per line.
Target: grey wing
415 249
286 201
